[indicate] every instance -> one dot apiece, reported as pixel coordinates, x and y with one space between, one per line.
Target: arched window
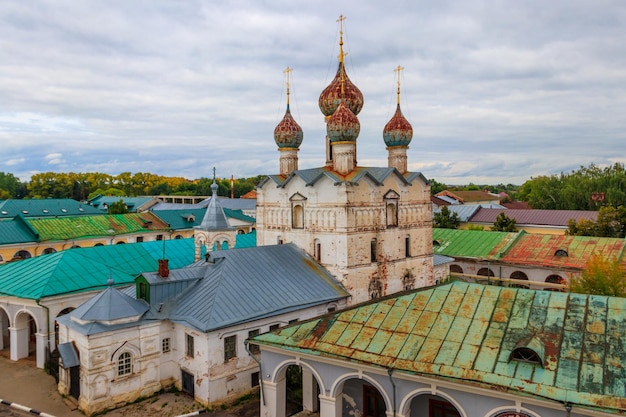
22 254
317 250
520 276
298 216
373 250
407 246
560 252
408 280
485 272
47 251
391 208
124 364
178 237
375 288
456 269
556 279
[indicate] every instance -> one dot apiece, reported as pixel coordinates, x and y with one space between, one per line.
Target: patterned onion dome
398 131
288 133
343 125
331 96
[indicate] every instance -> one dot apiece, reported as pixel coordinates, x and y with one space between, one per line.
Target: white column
41 349
19 343
330 406
309 391
275 397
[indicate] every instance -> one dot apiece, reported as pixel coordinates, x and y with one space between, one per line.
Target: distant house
186 327
532 221
133 204
44 208
456 350
535 260
469 197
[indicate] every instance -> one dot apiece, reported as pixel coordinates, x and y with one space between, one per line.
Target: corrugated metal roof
534 217
463 211
64 228
540 250
46 207
472 243
248 284
86 269
102 202
469 196
214 217
187 218
110 305
467 333
247 204
17 230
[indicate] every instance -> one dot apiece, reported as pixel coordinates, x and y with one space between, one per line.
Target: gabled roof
189 218
87 269
557 218
472 243
45 207
376 174
17 230
246 204
110 305
64 228
241 285
466 333
541 250
465 212
467 197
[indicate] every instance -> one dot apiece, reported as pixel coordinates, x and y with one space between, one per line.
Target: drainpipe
48 349
390 371
245 345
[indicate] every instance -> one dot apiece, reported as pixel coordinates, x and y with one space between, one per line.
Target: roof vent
64 210
561 252
436 243
25 211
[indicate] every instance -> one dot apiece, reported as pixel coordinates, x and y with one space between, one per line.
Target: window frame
189 345
124 366
230 348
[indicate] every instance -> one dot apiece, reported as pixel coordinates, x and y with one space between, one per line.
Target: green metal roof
85 269
472 243
64 228
46 207
467 333
17 230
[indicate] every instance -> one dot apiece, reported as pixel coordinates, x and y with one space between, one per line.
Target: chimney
164 270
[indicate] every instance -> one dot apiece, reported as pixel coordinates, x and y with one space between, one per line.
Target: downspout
390 371
245 345
48 349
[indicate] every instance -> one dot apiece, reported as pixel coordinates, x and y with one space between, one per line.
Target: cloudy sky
496 91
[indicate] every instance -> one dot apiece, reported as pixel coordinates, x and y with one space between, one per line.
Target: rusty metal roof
557 218
562 251
467 333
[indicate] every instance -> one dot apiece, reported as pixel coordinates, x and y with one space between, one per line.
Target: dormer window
561 252
530 350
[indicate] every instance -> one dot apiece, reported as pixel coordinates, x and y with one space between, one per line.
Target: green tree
601 276
10 186
436 187
445 219
119 207
504 223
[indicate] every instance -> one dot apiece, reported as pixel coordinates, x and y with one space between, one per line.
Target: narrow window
274 327
124 364
159 237
143 291
407 246
230 347
165 345
297 217
254 379
317 250
252 347
392 214
139 238
373 250
375 289
189 349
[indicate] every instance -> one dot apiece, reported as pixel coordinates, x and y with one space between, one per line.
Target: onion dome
343 125
288 133
336 92
398 131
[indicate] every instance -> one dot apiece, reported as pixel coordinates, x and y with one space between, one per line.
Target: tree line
83 186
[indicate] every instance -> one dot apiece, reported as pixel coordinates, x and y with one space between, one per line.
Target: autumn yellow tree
601 276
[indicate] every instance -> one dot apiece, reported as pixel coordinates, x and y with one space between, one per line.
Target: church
371 227
327 237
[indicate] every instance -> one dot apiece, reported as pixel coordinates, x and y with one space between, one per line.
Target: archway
485 272
556 279
361 397
300 388
456 269
5 336
430 405
25 336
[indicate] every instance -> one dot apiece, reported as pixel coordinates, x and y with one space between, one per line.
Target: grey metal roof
245 204
110 305
68 355
249 284
376 174
441 259
465 212
214 217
